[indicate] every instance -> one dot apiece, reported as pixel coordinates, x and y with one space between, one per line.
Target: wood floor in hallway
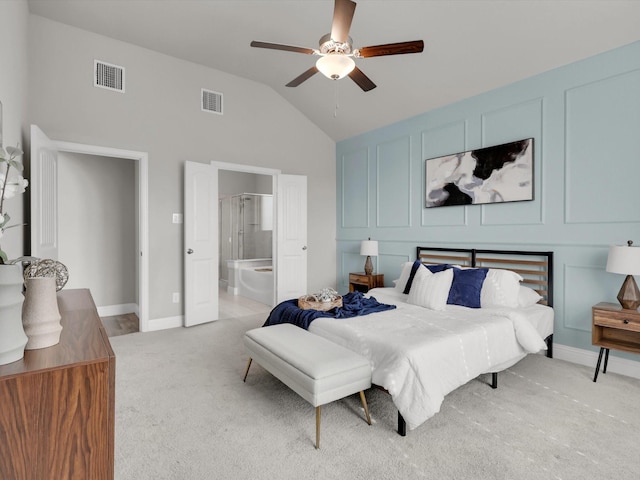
230 306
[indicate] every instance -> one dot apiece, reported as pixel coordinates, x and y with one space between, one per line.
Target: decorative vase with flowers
12 336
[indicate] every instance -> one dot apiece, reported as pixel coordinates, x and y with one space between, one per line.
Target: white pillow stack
501 288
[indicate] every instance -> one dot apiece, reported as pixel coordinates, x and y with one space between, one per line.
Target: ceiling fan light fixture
335 66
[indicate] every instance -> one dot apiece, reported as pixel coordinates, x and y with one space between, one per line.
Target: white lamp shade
335 66
624 259
369 247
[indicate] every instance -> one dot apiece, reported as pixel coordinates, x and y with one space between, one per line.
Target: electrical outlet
177 218
176 297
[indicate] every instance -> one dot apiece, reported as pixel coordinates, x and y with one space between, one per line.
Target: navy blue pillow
441 267
466 287
414 269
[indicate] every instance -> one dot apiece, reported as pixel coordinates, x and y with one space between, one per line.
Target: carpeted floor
183 412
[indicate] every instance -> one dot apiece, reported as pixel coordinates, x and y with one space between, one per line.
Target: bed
421 353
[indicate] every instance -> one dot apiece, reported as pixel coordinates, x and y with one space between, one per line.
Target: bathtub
252 278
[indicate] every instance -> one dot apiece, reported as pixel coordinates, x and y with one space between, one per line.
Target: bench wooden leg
317 427
246 372
364 405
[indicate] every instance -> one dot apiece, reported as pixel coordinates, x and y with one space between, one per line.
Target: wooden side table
614 327
361 282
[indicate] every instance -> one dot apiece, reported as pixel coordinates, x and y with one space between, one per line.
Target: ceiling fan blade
287 48
361 79
415 46
301 78
342 16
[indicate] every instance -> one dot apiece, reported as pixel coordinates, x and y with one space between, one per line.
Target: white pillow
404 277
500 289
430 290
527 296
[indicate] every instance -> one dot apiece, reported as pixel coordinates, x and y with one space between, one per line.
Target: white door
200 243
44 195
291 237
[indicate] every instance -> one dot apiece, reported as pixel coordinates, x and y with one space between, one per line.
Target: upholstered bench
317 369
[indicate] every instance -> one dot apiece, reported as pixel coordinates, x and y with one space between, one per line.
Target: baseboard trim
588 358
165 323
110 310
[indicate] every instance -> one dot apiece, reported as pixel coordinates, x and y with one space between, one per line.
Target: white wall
14 15
97 226
233 183
160 114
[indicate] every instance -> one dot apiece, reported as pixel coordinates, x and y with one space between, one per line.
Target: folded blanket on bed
353 304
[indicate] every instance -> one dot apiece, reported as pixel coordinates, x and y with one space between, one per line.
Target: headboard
536 268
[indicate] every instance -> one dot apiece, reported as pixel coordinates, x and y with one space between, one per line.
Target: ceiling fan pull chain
335 110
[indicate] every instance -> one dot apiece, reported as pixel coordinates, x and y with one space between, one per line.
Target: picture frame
496 174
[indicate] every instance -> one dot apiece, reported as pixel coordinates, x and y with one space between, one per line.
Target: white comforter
420 355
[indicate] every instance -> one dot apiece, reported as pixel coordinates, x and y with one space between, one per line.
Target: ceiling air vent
211 101
106 75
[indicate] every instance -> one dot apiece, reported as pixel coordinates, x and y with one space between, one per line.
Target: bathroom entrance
245 207
202 240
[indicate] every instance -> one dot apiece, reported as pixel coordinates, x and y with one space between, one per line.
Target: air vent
211 101
106 75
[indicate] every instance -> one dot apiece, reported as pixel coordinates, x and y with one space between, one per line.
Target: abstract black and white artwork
502 173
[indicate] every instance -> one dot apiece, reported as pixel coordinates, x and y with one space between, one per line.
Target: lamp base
629 295
368 266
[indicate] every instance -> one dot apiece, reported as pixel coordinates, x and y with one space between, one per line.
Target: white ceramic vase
12 336
40 314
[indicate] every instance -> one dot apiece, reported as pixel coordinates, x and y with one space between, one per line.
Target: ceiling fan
336 52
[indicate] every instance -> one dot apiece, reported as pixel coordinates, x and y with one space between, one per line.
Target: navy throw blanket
353 304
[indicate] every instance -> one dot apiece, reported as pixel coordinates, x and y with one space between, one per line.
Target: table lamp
370 249
626 260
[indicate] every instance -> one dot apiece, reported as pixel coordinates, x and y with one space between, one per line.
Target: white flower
10 186
14 186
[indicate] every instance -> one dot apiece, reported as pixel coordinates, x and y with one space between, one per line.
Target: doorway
246 240
201 254
97 232
245 226
141 225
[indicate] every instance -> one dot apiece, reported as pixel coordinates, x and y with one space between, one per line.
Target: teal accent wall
585 121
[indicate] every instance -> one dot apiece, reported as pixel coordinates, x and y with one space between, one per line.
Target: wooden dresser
57 404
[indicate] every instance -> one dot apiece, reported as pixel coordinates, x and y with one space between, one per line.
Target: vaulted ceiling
471 46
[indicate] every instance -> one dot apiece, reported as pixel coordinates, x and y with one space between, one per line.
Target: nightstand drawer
361 282
362 279
618 320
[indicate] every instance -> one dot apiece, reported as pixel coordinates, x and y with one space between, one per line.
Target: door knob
304 248
189 252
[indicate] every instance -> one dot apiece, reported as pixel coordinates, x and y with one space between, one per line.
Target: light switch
177 218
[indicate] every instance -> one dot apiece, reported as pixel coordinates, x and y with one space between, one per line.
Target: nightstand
614 327
361 282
